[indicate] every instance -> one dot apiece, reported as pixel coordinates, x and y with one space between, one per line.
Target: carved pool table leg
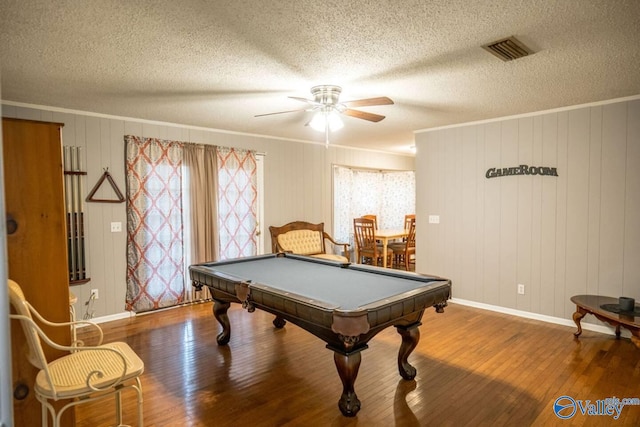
279 322
410 337
348 366
220 313
577 317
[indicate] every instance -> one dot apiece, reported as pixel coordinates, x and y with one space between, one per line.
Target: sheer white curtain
388 194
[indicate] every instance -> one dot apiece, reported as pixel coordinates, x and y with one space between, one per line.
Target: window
186 203
388 194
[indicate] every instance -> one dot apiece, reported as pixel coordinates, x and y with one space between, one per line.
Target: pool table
343 304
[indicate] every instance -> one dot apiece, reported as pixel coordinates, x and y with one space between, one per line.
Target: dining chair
375 224
374 218
407 223
404 252
407 220
369 252
84 373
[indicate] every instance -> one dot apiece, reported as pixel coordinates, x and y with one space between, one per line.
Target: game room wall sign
521 170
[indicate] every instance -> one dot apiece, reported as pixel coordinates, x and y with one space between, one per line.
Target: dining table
384 235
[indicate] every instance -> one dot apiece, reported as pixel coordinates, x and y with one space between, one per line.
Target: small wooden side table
592 304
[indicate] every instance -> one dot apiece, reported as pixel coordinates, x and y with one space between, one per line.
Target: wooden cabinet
36 244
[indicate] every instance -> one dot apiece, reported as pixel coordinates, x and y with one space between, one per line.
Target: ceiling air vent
508 49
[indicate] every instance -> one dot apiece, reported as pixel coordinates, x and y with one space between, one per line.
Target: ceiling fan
327 108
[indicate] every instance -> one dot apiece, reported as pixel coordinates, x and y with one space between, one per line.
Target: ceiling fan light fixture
323 119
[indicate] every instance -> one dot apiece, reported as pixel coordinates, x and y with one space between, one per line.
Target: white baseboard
603 329
110 317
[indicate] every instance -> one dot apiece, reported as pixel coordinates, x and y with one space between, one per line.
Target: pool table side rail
402 309
409 275
394 307
215 281
403 305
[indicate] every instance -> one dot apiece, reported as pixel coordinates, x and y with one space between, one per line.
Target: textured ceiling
216 64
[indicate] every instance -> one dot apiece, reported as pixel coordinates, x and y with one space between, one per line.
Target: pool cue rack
73 173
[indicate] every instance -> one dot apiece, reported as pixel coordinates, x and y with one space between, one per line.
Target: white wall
297 184
578 233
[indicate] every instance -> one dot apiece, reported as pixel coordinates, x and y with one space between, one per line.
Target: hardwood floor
474 367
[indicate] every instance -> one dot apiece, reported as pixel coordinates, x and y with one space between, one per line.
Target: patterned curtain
237 200
388 194
154 223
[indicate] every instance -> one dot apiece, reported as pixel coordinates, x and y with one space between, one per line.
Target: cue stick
65 162
80 224
74 245
67 197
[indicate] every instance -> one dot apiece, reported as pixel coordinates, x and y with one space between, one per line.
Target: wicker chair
82 375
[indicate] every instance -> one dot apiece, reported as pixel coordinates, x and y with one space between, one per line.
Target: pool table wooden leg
410 337
279 322
348 366
220 313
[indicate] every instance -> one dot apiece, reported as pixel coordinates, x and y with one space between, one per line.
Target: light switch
116 227
434 219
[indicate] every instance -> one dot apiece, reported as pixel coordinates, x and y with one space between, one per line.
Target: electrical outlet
520 289
95 294
116 227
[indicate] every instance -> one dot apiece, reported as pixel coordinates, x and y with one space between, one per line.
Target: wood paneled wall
577 233
297 183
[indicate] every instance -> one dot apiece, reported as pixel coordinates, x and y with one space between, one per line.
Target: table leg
220 313
410 337
385 243
577 317
348 366
279 322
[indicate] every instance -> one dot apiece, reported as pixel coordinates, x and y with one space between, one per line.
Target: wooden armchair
304 238
367 248
404 252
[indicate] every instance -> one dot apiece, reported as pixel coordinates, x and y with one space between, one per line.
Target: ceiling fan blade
383 100
280 112
363 115
308 101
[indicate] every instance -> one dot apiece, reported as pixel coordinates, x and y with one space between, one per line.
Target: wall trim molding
109 317
178 125
532 114
601 328
130 314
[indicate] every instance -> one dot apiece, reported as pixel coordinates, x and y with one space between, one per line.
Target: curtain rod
365 169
